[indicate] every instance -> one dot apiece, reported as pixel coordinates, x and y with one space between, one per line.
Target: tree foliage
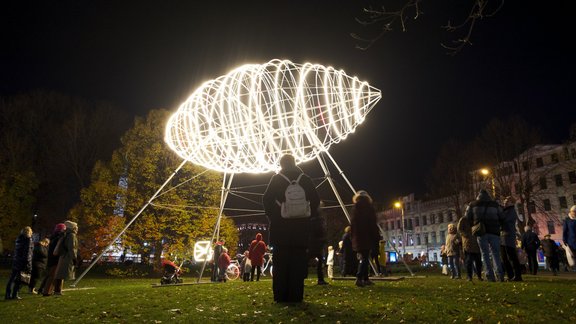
48 146
180 215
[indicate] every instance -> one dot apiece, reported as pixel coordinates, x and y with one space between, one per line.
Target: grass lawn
433 298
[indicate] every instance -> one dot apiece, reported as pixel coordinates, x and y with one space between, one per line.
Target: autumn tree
177 218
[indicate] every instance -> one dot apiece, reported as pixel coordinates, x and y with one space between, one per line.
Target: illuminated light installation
203 251
246 120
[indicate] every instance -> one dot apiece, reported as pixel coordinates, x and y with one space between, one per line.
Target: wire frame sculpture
244 121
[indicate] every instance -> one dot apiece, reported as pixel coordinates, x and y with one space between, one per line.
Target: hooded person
484 210
289 236
364 234
256 255
47 285
67 257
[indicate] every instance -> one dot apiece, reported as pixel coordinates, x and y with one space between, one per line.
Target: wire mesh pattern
244 121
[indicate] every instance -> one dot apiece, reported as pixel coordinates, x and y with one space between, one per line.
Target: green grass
435 299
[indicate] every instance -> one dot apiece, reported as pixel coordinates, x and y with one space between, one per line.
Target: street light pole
401 207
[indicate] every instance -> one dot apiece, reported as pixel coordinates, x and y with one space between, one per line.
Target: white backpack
296 205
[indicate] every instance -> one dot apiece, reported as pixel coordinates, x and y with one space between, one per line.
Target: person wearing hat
551 253
364 233
569 236
67 257
47 285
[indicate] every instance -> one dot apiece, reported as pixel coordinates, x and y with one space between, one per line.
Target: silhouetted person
289 236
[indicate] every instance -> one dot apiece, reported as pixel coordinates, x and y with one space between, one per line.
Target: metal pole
129 223
398 252
331 182
341 172
223 196
403 230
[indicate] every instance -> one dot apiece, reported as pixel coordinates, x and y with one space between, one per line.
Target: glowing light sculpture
203 251
246 120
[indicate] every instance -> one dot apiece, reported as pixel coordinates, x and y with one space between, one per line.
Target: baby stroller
171 273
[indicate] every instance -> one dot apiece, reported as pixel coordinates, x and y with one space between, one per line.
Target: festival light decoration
246 120
203 251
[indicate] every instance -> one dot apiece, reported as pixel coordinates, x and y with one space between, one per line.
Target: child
246 267
223 263
330 262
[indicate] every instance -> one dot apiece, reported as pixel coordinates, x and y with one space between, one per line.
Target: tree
174 220
451 177
54 140
509 148
384 20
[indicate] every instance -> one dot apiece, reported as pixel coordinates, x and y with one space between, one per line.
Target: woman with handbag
21 264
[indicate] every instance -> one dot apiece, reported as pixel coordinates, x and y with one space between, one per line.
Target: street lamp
486 172
401 207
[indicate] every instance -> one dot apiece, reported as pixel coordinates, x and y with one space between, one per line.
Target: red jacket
223 260
257 250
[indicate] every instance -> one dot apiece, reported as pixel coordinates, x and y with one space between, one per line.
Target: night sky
142 55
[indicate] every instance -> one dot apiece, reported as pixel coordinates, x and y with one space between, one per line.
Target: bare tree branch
387 20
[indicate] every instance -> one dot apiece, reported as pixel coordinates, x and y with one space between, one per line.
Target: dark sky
152 54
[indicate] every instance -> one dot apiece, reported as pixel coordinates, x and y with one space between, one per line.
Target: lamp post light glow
246 120
486 172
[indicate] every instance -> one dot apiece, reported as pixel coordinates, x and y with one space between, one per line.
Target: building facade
418 228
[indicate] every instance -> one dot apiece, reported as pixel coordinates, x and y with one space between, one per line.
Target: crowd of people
485 238
488 239
52 258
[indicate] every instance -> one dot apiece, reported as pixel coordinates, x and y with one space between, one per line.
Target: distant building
418 228
247 233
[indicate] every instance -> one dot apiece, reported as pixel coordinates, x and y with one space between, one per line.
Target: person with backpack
530 244
289 201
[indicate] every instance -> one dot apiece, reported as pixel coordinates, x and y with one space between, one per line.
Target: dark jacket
317 240
508 233
569 232
487 211
23 254
550 248
289 232
53 259
530 241
40 256
365 233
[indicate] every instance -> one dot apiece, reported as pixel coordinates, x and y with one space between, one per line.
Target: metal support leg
129 223
223 195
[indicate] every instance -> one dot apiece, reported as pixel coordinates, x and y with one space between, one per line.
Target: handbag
24 277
